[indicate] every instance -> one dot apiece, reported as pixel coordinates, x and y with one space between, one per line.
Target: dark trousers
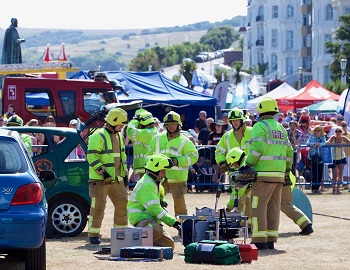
316 175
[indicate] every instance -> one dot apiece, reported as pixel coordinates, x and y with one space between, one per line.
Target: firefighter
238 136
17 121
140 131
271 157
144 205
235 158
182 152
293 212
107 160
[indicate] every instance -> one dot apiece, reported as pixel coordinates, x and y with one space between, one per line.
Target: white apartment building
290 36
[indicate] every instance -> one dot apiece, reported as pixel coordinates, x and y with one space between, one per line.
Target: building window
273 62
274 12
327 74
346 11
289 40
290 11
260 58
329 12
274 38
327 38
289 65
306 62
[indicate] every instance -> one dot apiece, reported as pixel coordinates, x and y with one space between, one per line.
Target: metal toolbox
125 237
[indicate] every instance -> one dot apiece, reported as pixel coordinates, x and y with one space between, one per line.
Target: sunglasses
343 125
338 131
317 130
303 126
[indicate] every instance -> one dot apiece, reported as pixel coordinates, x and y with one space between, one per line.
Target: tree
187 69
340 48
220 37
238 68
260 69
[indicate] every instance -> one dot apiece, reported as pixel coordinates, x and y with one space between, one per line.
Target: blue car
23 205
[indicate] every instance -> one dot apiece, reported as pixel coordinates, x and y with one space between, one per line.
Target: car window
12 159
77 155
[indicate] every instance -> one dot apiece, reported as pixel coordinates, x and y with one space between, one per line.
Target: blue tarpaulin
160 94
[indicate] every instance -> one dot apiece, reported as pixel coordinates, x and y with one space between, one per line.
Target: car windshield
12 159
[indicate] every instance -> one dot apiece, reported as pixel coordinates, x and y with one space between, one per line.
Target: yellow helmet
158 162
15 120
172 118
146 118
117 116
236 114
267 104
235 155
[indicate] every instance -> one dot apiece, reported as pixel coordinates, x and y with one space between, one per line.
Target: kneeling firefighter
144 206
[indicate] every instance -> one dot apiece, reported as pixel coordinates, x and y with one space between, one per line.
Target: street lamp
343 63
250 57
300 73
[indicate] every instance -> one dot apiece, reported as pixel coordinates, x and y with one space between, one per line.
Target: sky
118 14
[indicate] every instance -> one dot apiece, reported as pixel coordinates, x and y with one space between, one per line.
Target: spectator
73 123
218 129
37 138
289 117
50 122
184 123
200 122
346 172
224 118
158 124
294 135
77 152
204 133
316 140
2 121
339 158
10 111
337 120
305 115
305 132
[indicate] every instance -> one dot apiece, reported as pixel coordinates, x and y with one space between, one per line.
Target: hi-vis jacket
181 148
229 141
100 153
271 153
144 203
140 139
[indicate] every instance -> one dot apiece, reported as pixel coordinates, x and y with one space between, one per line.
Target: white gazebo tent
281 91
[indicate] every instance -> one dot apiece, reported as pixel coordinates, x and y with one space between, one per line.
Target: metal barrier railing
206 175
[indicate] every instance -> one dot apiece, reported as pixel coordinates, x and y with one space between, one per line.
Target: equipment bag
147 252
212 252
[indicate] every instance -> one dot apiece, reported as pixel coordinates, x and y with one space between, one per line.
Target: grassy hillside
126 49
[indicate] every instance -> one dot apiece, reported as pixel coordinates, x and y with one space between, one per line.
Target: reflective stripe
255 226
258 139
133 210
149 203
132 197
255 201
301 220
254 153
93 202
116 154
272 233
161 214
273 158
274 174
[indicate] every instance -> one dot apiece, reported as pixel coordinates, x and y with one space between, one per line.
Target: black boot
271 245
95 240
261 246
307 230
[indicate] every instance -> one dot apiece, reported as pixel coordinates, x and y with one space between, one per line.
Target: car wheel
68 217
35 259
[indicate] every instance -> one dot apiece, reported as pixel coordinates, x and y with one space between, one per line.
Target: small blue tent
159 94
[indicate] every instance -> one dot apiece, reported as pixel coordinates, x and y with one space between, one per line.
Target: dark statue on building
11 52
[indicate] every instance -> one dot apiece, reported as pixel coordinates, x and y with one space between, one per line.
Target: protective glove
244 168
107 177
137 117
177 226
224 166
174 160
163 203
287 180
100 170
126 181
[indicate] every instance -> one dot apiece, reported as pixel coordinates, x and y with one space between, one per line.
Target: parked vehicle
23 205
64 99
68 194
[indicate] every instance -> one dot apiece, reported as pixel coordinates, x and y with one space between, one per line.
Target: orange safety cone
62 56
47 56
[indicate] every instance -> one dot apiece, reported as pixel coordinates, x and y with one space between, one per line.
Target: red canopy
312 93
